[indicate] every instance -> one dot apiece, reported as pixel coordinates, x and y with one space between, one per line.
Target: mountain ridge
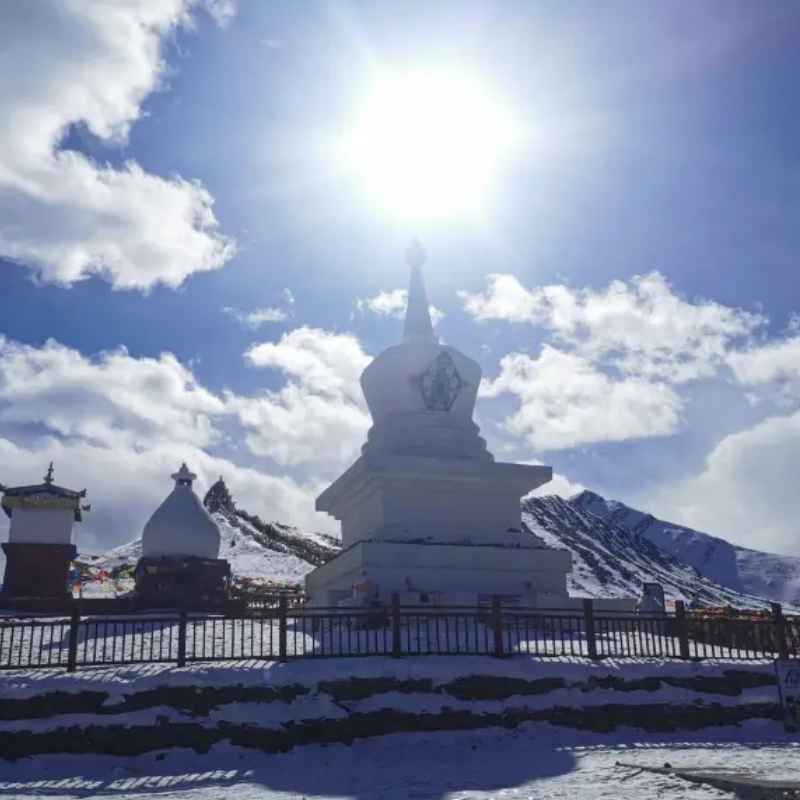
741 569
611 561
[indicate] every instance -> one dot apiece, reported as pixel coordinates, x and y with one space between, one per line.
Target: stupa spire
418 315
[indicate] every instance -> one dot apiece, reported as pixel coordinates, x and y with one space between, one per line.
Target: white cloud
295 427
70 62
505 299
393 304
642 327
564 401
620 360
255 319
223 11
320 361
319 416
747 490
768 363
112 400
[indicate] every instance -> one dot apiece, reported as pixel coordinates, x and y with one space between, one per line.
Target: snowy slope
742 570
611 561
250 552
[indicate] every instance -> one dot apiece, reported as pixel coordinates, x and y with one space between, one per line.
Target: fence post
183 620
682 629
72 641
397 641
591 635
283 627
497 626
780 630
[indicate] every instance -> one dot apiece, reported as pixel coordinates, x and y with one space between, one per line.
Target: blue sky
642 236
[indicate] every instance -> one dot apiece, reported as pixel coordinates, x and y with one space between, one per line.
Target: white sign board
788 672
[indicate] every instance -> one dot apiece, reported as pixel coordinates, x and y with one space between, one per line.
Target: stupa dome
181 525
421 393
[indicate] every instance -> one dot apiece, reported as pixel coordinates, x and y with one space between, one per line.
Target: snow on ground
317 706
533 761
249 558
439 669
320 538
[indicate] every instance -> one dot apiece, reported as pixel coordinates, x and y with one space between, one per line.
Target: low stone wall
103 728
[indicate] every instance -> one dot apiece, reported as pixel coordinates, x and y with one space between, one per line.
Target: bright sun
429 145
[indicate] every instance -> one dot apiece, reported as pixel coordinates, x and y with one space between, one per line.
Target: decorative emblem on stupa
441 383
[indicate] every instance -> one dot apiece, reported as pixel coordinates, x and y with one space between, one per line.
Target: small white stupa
181 525
180 562
426 510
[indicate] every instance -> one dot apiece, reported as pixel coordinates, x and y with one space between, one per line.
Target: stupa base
181 581
37 570
441 574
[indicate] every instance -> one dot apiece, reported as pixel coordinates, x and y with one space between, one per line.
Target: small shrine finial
415 255
48 478
183 477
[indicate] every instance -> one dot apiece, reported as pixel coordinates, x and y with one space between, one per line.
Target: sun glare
429 145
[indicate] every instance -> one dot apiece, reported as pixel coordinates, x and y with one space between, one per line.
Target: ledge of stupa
424 475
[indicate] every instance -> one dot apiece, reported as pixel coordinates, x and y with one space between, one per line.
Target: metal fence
289 633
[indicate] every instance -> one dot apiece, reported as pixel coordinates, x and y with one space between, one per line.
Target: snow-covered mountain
739 569
611 561
609 558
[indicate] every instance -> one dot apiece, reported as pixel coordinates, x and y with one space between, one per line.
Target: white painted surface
181 525
384 497
457 574
41 526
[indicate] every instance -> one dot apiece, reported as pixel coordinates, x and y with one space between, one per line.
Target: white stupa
426 510
181 525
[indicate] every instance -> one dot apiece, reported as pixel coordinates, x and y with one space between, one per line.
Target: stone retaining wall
104 730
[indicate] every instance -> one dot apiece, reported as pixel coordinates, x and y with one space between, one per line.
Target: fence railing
289 633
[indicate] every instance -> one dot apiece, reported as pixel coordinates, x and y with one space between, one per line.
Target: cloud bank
81 63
